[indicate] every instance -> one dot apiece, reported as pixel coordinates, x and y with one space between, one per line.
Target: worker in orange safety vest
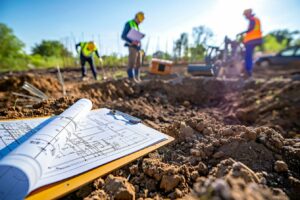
252 37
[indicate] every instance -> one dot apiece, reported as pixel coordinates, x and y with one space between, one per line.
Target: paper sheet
23 167
135 35
100 138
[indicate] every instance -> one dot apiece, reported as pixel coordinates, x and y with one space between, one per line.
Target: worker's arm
250 28
100 59
97 53
76 47
125 32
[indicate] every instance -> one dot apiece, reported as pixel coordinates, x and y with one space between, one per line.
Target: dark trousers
250 46
90 60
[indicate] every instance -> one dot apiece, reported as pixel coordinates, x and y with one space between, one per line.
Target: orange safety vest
255 33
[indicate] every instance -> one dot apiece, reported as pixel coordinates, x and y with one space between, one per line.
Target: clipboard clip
131 119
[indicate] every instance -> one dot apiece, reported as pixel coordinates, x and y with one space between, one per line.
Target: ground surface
234 139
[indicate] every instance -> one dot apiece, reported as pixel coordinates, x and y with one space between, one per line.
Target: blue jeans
249 54
248 58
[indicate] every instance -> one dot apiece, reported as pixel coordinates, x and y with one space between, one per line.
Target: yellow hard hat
140 16
91 46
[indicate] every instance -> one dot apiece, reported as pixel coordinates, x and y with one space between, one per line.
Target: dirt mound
208 139
274 104
249 154
119 188
201 91
102 93
44 108
207 153
233 180
48 84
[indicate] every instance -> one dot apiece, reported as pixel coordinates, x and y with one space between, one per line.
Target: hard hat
91 46
247 12
140 16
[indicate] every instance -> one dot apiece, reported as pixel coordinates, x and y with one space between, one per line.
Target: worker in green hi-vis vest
134 57
87 50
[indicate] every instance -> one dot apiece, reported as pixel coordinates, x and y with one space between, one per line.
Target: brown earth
234 139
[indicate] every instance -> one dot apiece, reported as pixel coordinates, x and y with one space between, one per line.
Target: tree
297 41
162 55
284 35
51 48
272 45
201 34
181 44
197 52
11 54
278 40
177 49
184 37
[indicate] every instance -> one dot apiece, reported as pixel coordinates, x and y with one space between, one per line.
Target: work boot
130 73
84 78
137 75
247 75
133 76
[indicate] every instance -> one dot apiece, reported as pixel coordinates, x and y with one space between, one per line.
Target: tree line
46 54
50 53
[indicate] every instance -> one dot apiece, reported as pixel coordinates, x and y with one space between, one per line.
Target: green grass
26 62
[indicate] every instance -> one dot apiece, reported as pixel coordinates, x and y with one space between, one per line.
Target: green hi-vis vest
85 51
134 25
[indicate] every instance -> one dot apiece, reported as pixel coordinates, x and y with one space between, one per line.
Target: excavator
227 62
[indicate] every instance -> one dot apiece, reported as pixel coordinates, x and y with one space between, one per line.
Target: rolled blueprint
21 169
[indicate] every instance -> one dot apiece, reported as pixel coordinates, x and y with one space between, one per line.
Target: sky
71 21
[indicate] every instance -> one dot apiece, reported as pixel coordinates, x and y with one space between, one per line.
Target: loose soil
234 139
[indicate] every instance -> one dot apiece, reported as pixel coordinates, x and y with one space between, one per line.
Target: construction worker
87 50
251 38
134 57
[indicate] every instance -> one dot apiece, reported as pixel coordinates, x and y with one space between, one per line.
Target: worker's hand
136 43
100 61
239 35
142 52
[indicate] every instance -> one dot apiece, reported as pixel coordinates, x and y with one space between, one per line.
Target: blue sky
102 20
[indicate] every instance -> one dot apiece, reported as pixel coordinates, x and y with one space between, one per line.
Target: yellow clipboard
61 188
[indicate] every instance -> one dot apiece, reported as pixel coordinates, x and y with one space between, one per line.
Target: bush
113 61
51 48
11 55
38 61
271 45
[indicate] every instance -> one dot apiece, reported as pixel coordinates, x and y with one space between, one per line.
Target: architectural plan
37 152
